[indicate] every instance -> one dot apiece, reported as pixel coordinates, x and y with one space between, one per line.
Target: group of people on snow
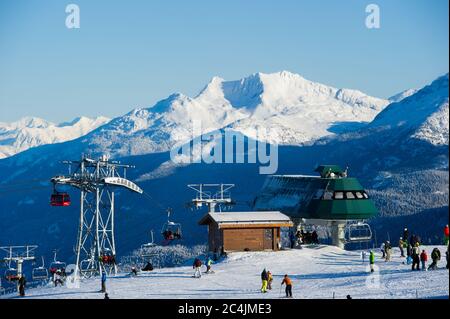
267 279
415 256
197 265
300 237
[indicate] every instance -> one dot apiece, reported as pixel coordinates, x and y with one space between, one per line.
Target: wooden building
244 231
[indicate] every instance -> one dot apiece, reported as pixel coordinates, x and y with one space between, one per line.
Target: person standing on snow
383 250
209 262
197 266
435 256
103 281
401 243
388 249
446 234
363 256
424 259
371 260
416 257
288 283
269 280
405 234
22 283
264 280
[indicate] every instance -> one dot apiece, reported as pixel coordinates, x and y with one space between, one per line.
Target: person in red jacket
424 259
446 234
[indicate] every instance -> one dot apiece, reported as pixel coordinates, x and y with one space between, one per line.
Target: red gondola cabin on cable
60 199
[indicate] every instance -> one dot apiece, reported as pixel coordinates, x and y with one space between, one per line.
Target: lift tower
18 254
97 181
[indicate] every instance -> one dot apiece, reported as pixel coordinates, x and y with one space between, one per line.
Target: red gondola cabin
60 199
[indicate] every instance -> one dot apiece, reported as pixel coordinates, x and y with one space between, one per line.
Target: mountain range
398 148
30 132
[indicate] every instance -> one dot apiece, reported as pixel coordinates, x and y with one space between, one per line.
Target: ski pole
279 295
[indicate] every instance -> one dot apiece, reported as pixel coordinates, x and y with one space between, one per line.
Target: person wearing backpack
416 257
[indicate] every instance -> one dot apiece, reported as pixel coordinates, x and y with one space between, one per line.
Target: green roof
324 170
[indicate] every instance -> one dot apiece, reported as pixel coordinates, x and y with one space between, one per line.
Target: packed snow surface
316 272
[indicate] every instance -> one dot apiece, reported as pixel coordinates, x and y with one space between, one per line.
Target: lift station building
244 231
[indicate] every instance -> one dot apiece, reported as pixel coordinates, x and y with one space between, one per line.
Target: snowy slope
295 109
316 273
402 95
423 115
31 132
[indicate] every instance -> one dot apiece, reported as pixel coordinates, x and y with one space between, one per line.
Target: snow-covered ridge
424 113
30 132
295 110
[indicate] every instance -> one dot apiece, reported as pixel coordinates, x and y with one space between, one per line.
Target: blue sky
133 53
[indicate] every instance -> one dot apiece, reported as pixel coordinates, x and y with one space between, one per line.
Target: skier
363 256
197 266
400 245
103 282
264 279
383 251
288 283
416 257
424 259
208 264
134 271
106 296
371 260
387 249
446 234
435 256
22 283
269 280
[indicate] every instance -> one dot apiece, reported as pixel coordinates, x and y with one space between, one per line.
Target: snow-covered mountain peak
26 122
424 113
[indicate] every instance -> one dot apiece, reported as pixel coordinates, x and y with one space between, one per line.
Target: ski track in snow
317 272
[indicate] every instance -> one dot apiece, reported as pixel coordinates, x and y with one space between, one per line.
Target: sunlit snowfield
318 272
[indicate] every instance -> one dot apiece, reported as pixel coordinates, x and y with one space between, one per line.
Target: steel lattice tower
96 180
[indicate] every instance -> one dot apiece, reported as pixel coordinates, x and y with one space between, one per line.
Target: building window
339 195
349 195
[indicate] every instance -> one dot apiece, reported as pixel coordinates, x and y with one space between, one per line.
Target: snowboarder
264 280
435 257
424 259
371 260
208 264
197 265
103 282
288 283
22 283
383 250
446 235
416 257
388 249
134 271
401 243
269 280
